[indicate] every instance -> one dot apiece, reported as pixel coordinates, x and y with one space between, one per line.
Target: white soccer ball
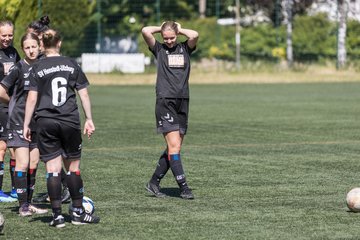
2 223
88 205
353 199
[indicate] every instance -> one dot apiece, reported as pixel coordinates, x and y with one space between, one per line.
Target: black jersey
15 83
56 79
8 57
173 70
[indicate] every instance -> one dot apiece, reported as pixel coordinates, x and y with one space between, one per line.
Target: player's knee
174 148
2 154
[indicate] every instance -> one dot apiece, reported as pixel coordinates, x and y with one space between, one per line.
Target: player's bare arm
89 127
4 97
191 35
148 36
29 111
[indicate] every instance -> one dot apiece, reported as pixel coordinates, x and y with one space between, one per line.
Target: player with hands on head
54 81
8 57
27 154
172 99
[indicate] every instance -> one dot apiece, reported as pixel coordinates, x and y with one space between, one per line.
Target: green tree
9 8
69 19
316 44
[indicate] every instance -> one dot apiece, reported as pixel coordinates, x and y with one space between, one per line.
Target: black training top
56 79
15 83
8 57
173 70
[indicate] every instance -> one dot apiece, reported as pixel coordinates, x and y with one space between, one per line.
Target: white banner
112 62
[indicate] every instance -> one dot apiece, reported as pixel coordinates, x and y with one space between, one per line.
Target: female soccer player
38 27
27 154
54 81
172 98
8 57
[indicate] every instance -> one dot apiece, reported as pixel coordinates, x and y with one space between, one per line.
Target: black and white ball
88 205
353 199
2 223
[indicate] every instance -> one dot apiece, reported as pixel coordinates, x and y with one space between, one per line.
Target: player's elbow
194 36
145 31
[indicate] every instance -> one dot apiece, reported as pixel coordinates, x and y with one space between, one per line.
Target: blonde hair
6 23
169 25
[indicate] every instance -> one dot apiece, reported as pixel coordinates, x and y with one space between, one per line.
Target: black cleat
84 218
41 199
58 222
155 190
65 196
186 194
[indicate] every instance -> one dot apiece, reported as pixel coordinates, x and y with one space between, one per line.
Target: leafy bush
314 40
314 37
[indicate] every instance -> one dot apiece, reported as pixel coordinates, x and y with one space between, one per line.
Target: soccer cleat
41 199
186 194
65 196
84 218
6 198
58 222
37 210
24 210
13 194
155 190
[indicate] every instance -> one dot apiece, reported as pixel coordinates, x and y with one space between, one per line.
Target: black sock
31 178
1 174
20 181
161 169
63 178
177 170
12 164
76 188
54 190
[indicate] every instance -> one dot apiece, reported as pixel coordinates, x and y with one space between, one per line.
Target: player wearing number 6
54 81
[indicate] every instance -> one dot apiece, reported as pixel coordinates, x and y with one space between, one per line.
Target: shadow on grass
171 192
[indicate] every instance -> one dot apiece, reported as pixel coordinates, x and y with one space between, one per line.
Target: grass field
265 161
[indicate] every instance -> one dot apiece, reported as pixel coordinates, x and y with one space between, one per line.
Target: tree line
283 34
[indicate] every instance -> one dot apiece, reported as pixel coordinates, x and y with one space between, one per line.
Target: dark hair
51 38
41 25
29 36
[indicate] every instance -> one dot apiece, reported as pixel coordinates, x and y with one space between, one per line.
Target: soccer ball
353 199
88 205
2 223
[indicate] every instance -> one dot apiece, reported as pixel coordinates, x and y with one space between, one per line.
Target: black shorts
16 139
56 138
172 114
3 121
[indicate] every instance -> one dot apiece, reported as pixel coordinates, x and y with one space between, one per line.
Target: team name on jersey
61 68
176 60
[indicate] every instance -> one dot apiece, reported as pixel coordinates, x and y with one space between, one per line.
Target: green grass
265 161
